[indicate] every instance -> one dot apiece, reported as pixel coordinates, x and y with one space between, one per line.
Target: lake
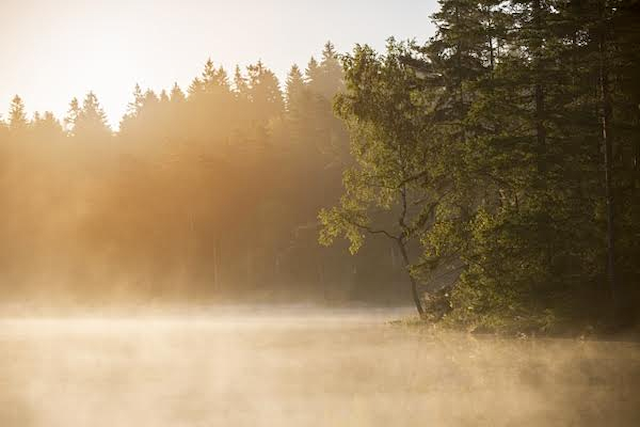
301 367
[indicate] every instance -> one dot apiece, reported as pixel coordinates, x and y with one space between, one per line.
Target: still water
296 368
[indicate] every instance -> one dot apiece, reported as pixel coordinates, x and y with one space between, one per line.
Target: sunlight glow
109 46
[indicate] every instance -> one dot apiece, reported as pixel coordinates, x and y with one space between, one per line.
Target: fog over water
293 367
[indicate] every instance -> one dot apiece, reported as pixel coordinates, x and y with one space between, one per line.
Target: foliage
212 193
503 117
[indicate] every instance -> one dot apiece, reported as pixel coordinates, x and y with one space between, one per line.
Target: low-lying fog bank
302 367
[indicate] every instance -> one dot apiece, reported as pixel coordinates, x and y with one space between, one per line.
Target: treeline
211 194
503 157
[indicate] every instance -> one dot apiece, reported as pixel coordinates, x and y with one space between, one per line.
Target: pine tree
17 116
150 99
164 98
47 127
196 88
295 89
264 92
312 73
73 113
330 80
324 79
240 85
91 120
177 95
298 102
214 80
134 107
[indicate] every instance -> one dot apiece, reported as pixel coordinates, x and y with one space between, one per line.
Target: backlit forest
210 192
491 176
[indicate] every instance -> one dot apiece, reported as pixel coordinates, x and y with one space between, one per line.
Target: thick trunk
414 285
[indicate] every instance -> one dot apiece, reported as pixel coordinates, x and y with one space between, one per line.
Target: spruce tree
177 95
295 88
264 92
71 118
91 120
312 73
17 116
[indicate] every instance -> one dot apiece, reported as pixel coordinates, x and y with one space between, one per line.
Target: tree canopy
515 131
207 193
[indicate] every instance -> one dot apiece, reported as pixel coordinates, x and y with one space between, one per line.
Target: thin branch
370 230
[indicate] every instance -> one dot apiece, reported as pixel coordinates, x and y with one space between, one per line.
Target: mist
437 232
209 192
303 366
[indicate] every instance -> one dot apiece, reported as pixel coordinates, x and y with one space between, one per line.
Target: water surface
301 368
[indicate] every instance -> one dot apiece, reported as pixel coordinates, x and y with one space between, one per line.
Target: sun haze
54 50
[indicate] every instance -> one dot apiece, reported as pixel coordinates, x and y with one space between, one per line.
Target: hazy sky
53 50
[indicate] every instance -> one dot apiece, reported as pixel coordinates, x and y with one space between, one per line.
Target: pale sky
53 50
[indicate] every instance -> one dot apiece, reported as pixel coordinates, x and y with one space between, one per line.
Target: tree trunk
607 141
414 285
541 131
215 265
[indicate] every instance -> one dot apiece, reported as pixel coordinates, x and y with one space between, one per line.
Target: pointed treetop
311 73
47 123
150 98
209 71
134 107
264 91
295 87
91 120
240 85
73 113
329 51
91 107
213 79
177 95
222 78
17 114
196 87
326 79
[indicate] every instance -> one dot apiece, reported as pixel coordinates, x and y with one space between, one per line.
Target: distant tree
214 80
73 113
298 102
4 130
17 115
295 88
134 107
330 81
150 99
240 85
195 88
210 192
47 125
177 95
312 73
164 98
91 120
264 92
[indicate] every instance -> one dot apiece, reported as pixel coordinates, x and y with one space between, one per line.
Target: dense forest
508 149
211 193
492 174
